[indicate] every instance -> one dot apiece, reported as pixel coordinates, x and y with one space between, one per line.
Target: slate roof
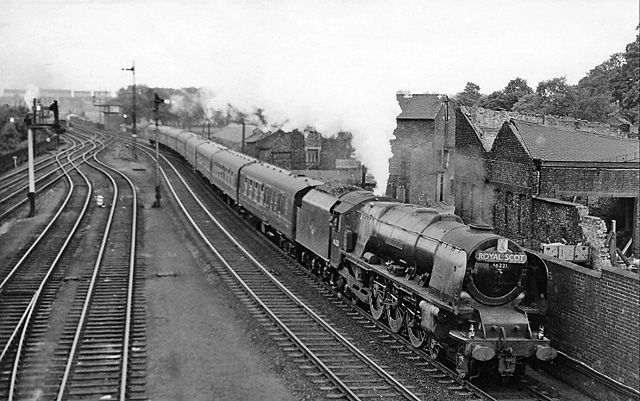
419 106
553 144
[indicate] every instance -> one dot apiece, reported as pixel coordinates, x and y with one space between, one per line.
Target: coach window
267 195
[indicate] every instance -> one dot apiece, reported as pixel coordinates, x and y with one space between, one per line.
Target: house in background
420 169
539 183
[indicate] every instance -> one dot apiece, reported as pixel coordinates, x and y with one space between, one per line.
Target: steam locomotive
459 291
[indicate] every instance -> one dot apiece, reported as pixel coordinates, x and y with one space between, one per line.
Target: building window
313 156
440 187
402 193
521 214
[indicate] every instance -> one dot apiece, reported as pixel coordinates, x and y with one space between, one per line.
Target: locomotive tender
459 291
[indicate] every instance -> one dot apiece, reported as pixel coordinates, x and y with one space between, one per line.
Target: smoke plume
31 93
370 119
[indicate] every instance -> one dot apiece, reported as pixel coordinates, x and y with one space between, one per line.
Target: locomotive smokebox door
447 276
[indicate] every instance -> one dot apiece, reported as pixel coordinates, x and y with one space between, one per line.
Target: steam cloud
370 120
31 93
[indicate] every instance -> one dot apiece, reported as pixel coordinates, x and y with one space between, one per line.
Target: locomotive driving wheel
417 334
375 300
395 311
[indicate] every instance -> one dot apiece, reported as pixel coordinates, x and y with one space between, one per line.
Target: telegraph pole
133 114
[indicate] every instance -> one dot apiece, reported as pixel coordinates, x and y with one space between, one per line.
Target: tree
599 80
470 96
626 91
9 137
12 133
595 107
557 97
507 97
496 101
515 89
528 104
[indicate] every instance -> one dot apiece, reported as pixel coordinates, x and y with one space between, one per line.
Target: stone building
283 149
420 169
538 183
329 153
332 160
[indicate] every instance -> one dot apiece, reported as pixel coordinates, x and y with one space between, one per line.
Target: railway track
104 354
13 179
14 194
99 352
340 369
23 282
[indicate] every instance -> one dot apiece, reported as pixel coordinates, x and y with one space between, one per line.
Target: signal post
32 125
157 101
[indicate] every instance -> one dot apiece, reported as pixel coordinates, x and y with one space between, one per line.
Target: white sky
434 46
333 64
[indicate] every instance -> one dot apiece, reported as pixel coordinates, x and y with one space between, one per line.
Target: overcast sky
434 46
330 64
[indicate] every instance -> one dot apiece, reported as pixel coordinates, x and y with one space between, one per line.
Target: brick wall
589 180
470 170
636 224
594 316
556 220
284 149
412 157
608 183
